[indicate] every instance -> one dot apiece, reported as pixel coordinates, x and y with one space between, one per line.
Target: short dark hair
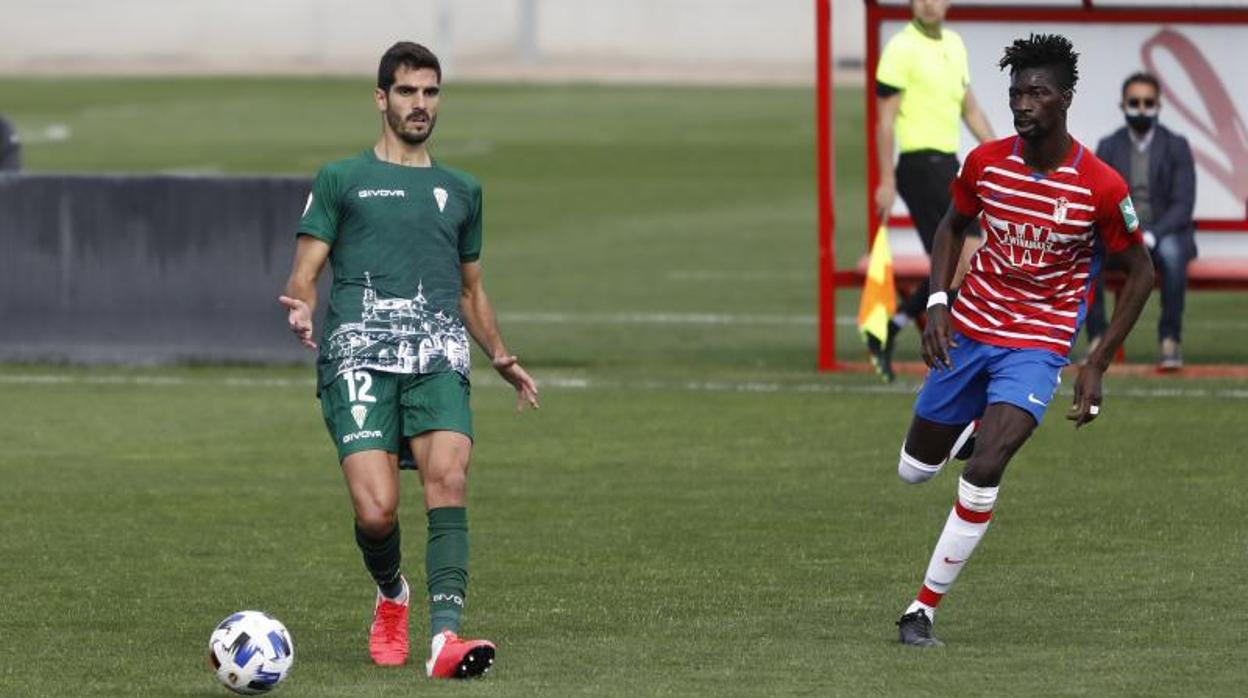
1141 76
410 54
1044 51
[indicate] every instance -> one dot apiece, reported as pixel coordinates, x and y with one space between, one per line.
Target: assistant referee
923 91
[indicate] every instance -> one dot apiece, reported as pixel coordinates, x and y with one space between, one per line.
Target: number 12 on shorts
365 380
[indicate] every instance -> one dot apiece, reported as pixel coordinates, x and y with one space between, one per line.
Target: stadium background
695 509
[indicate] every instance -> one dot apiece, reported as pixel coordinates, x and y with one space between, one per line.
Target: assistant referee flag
879 293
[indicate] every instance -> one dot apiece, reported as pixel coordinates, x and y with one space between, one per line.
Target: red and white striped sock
965 526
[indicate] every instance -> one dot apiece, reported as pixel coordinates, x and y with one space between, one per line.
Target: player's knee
375 521
983 476
914 471
447 481
985 467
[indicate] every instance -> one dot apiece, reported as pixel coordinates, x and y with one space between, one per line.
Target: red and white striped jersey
1028 283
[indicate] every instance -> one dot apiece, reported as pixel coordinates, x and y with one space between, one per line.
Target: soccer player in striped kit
1049 211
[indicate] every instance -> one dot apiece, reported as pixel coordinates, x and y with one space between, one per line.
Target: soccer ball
251 652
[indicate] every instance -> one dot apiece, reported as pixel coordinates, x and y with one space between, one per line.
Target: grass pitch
693 511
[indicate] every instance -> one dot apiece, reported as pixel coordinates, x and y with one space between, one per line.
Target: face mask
1141 122
1141 119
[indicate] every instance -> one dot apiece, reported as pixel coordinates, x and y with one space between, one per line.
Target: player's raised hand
937 338
1087 404
300 320
526 390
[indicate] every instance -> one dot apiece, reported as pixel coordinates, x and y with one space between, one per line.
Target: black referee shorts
923 181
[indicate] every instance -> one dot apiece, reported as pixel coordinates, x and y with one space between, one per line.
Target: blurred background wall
603 40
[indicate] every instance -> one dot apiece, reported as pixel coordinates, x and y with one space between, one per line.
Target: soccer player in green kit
403 235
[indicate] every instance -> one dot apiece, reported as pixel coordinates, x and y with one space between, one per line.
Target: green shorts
367 410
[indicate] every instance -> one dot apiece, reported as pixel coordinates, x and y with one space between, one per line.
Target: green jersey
397 238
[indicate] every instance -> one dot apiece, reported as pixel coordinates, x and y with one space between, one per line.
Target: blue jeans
1170 258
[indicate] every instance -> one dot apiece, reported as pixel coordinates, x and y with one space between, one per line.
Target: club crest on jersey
1024 244
1059 210
439 195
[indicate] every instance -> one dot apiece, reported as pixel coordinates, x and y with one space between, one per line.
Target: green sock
382 558
446 567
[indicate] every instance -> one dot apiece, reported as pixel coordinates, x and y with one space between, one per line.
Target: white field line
576 383
52 133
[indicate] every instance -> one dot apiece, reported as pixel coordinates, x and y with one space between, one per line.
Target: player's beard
398 124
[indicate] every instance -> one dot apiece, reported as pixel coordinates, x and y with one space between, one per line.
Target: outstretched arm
1139 267
300 295
946 252
483 326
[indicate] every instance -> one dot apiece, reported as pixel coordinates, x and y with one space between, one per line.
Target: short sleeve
1116 222
964 187
892 68
320 213
470 233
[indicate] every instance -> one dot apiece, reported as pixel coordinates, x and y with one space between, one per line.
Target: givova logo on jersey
1024 244
382 193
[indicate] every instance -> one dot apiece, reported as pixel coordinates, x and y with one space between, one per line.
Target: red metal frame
826 173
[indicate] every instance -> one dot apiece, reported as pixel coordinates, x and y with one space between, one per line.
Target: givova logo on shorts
363 434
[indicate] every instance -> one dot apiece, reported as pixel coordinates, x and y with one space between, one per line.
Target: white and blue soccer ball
250 652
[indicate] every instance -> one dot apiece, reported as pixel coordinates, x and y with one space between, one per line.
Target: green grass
693 511
627 541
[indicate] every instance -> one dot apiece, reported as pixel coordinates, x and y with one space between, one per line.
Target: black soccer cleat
915 629
882 352
476 663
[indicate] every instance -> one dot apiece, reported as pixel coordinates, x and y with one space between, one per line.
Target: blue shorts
983 375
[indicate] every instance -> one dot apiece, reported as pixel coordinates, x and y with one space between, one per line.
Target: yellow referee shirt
933 75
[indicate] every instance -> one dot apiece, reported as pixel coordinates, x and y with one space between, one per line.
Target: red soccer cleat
387 638
453 658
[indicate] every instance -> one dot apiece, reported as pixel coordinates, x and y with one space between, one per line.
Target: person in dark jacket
1157 164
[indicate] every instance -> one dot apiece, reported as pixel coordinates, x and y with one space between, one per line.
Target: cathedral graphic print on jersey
399 335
